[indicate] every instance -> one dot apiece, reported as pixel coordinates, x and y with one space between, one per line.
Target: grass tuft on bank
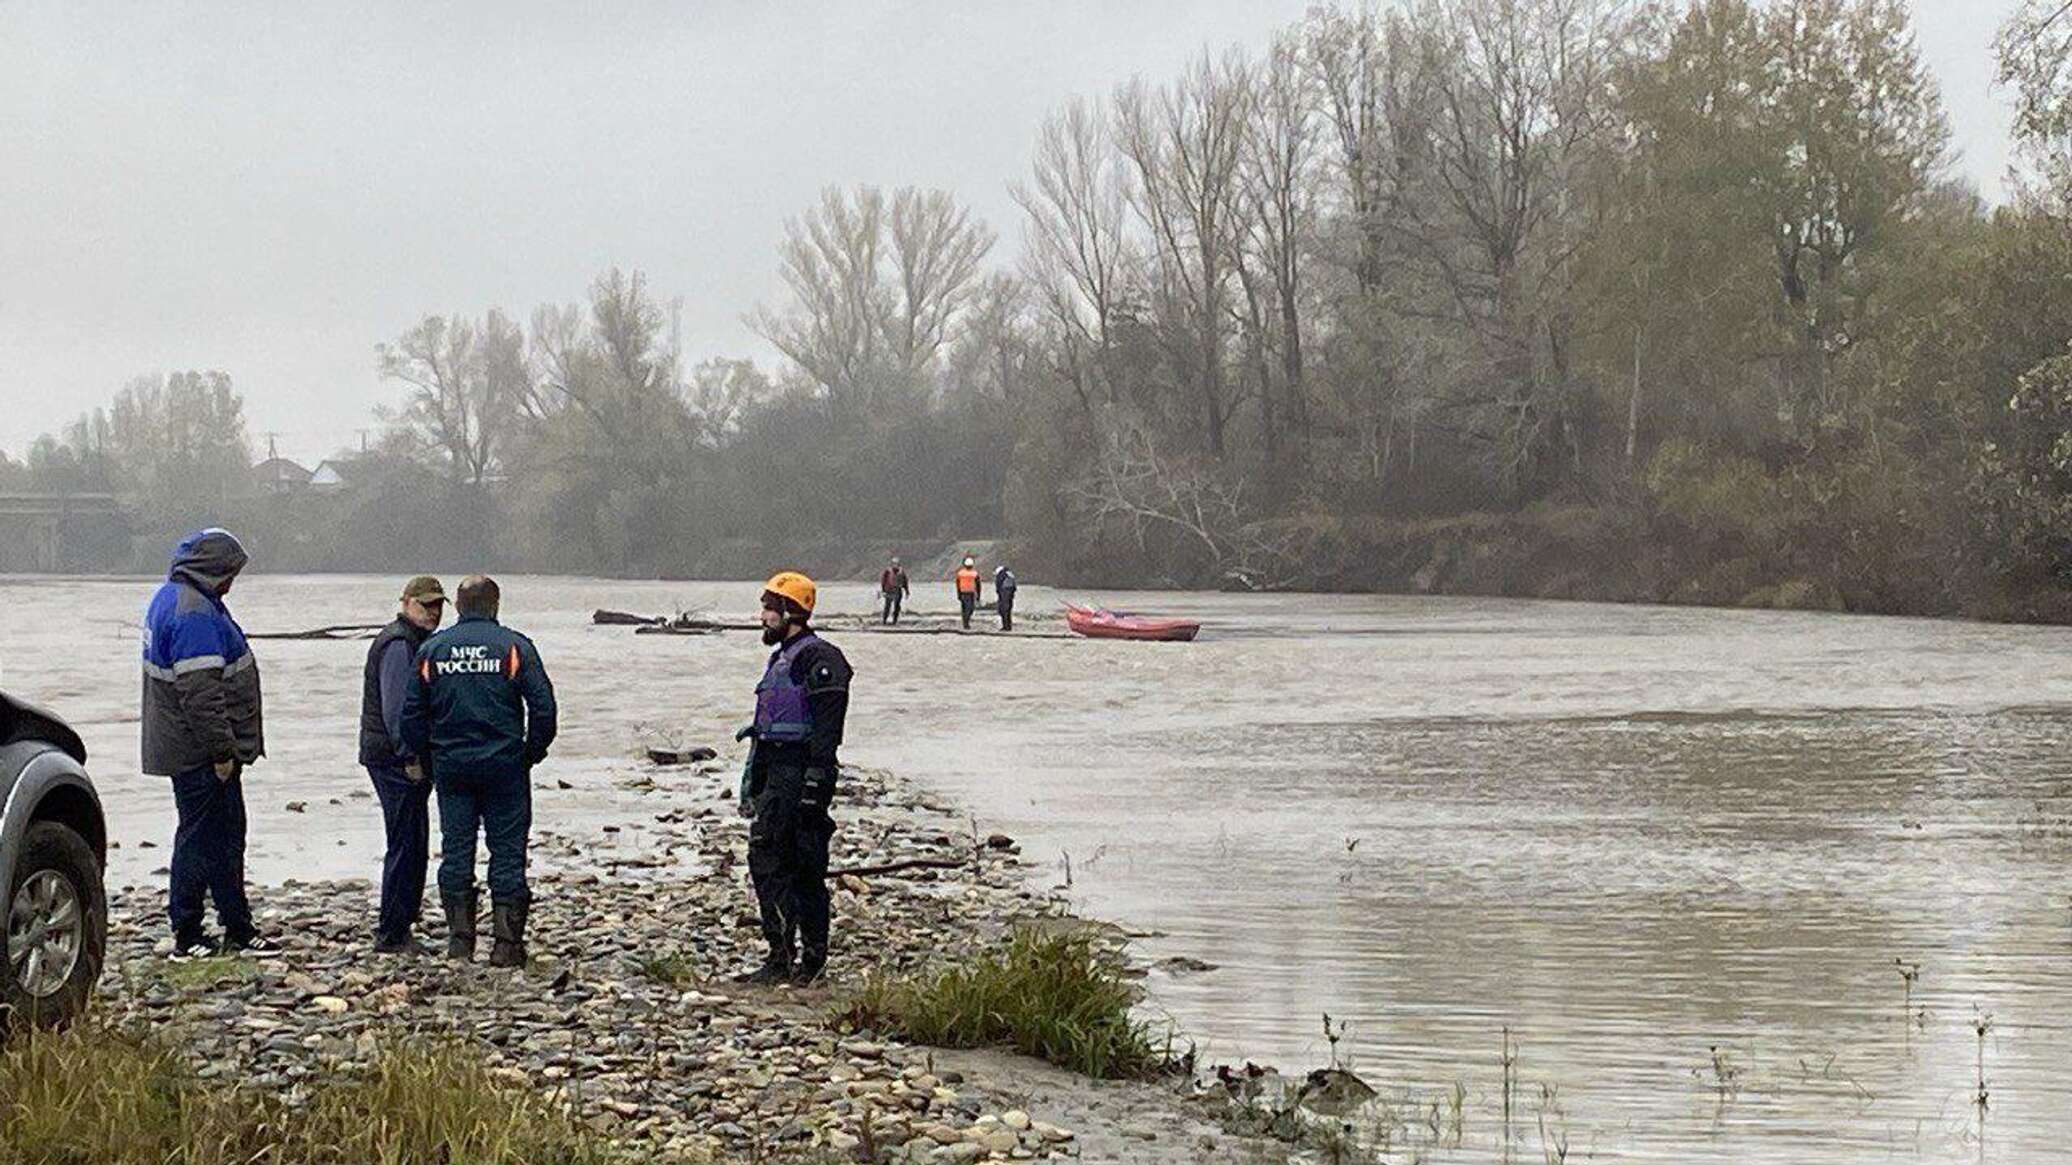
96 1095
1054 997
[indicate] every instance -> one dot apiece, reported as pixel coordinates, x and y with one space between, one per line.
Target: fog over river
1629 835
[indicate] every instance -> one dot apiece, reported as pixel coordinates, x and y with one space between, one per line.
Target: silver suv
53 844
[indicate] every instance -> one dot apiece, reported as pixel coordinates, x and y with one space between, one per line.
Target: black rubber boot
460 925
507 927
812 968
775 969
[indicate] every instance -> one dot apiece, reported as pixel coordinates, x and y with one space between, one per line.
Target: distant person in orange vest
893 585
967 589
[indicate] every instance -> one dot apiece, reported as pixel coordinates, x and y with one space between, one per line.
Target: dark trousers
787 861
499 806
208 856
1006 604
967 603
891 611
406 817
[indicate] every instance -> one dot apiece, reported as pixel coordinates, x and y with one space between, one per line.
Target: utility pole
272 449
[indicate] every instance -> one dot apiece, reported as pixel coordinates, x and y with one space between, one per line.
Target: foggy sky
272 189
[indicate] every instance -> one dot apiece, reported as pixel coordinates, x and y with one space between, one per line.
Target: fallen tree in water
680 624
336 631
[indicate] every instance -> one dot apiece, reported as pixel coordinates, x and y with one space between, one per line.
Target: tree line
1680 291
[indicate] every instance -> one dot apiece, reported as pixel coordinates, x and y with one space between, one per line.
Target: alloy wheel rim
45 931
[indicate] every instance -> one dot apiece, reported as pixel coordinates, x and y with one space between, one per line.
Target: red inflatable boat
1098 624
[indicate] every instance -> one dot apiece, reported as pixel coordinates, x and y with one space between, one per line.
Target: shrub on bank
95 1095
1050 996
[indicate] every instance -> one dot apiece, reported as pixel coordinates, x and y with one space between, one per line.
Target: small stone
330 1004
958 1154
1015 1119
298 806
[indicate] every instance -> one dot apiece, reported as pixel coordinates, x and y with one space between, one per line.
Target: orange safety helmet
792 585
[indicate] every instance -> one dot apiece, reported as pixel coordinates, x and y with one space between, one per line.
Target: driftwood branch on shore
909 864
682 756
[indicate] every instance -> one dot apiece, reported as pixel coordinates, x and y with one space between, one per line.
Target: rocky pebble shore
627 1014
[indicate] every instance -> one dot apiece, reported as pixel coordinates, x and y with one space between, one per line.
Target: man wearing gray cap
398 772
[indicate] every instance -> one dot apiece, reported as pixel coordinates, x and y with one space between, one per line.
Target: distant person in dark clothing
1003 596
801 706
201 726
483 713
399 776
893 585
967 590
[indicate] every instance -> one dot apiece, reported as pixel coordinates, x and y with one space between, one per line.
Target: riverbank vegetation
1053 996
102 1095
1550 297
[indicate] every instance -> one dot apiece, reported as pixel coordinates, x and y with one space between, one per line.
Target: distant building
334 474
278 475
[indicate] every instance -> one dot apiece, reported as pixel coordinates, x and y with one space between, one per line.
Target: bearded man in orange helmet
789 783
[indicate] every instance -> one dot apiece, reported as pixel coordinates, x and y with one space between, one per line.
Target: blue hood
209 559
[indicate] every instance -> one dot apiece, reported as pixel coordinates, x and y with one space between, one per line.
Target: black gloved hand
818 788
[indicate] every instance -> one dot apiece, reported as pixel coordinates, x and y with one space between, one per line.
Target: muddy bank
628 1017
1620 555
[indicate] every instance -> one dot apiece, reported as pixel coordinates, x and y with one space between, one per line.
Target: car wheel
56 917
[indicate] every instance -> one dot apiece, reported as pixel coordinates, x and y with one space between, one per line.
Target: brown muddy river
1676 853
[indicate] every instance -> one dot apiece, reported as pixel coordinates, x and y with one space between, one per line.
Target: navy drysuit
801 706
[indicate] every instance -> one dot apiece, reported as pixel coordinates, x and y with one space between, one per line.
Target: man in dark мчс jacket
801 706
482 713
201 726
399 778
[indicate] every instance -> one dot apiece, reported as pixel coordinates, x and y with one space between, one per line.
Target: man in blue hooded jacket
482 714
201 726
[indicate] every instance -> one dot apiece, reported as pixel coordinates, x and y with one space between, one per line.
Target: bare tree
1077 252
1183 143
468 385
722 392
829 261
996 356
877 289
1522 88
1137 486
1278 176
936 252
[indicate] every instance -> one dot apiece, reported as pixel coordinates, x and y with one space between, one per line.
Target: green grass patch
208 972
94 1095
1053 996
675 969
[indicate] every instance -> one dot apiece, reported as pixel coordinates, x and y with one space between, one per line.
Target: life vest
967 581
783 715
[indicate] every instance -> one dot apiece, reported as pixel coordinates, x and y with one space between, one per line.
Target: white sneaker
195 951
